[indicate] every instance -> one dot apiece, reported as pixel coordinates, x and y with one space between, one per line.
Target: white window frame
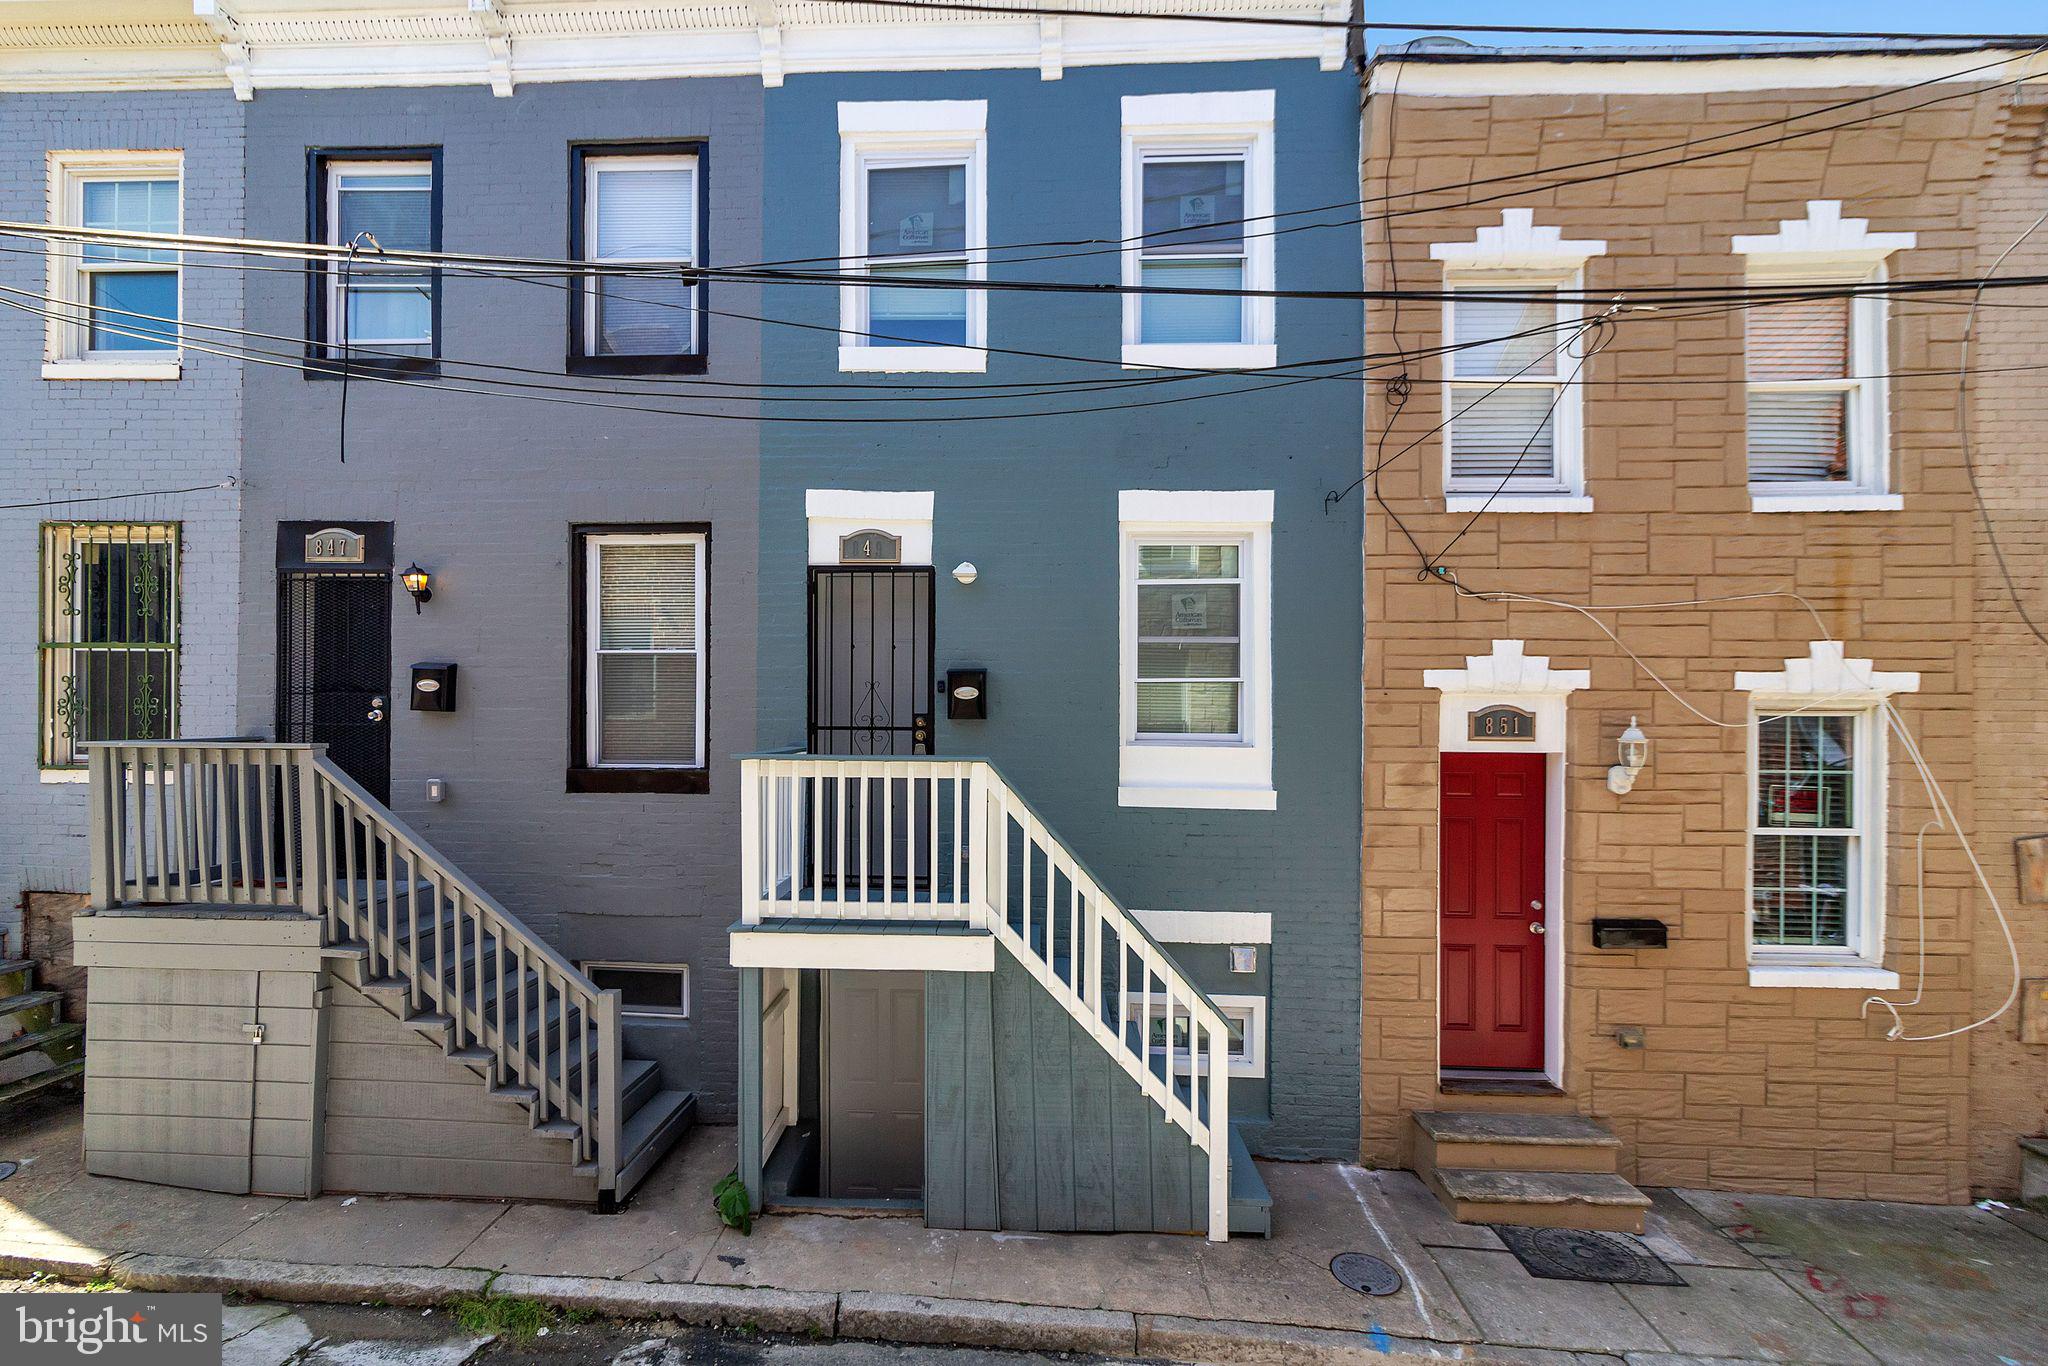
593 624
1828 683
333 169
1183 127
66 345
1825 247
1248 1011
593 163
1205 772
884 134
1563 488
58 560
682 970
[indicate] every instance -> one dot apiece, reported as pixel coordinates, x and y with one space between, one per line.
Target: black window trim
584 776
578 360
321 364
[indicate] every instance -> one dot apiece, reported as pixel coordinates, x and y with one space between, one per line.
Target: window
1514 415
1196 659
1244 1022
1810 821
1198 175
108 643
119 304
640 690
1819 427
641 208
914 210
376 313
647 989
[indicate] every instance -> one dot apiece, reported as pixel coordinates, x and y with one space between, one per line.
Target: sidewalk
1768 1278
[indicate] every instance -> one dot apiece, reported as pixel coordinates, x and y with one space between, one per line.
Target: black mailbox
967 694
1629 934
433 687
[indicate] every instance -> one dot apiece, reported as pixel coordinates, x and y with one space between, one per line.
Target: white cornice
1518 243
253 45
1822 234
1509 670
1827 671
1596 75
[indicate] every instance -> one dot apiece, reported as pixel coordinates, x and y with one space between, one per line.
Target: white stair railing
244 823
922 839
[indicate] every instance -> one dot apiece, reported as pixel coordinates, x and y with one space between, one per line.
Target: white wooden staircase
276 826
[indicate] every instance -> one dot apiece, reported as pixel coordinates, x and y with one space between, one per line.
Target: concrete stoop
1541 1171
862 1315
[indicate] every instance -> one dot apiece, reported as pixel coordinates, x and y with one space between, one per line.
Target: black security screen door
871 679
334 669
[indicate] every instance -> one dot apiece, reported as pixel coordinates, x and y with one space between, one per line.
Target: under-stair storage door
1491 916
874 1085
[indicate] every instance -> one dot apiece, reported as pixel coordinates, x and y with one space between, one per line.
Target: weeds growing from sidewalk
516 1318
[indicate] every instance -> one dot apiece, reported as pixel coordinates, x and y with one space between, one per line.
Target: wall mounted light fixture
417 581
965 572
1634 748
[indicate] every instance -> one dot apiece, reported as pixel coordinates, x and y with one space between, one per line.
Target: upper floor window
1198 201
640 693
914 210
119 304
1819 424
640 211
376 204
1514 373
108 642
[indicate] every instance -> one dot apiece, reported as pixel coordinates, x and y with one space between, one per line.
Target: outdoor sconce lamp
965 572
416 580
1635 752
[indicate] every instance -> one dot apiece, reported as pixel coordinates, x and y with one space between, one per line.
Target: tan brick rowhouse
1737 1086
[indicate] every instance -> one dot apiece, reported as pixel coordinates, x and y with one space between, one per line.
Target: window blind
648 659
645 213
1189 650
1499 430
1192 218
1798 358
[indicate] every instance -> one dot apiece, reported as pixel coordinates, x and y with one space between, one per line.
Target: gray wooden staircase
39 1048
267 826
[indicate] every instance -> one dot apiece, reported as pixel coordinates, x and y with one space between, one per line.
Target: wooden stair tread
28 1000
29 1085
30 1043
1484 1126
1493 1187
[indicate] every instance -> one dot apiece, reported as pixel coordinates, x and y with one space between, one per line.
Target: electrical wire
227 483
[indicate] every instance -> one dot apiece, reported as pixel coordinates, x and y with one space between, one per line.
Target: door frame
1517 679
375 563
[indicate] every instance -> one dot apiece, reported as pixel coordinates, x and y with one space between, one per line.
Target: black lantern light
416 580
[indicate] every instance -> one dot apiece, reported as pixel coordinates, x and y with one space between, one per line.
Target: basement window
647 989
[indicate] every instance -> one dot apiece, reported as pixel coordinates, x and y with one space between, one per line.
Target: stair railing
915 838
245 823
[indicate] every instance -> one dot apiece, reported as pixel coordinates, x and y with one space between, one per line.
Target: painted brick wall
73 439
1033 503
483 492
2009 1079
1778 1089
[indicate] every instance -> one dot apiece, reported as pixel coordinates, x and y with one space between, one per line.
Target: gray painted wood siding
404 1118
1030 1126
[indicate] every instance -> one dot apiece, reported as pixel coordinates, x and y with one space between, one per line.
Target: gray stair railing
245 823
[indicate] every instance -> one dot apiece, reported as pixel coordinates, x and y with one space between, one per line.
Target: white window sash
362 272
898 141
592 166
1868 405
72 275
1863 917
1243 546
1567 411
1253 146
593 617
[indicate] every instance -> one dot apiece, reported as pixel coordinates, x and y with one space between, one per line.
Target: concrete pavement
1767 1278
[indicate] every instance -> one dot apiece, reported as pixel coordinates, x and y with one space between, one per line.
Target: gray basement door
874 1085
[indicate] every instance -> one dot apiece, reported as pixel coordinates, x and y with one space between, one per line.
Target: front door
334 645
874 1085
871 675
1492 917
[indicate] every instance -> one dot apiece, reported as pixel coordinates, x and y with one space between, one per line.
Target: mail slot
433 687
967 694
1626 933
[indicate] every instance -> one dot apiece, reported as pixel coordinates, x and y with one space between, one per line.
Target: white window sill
113 369
64 775
1197 798
1856 976
1826 502
1200 355
913 360
1518 502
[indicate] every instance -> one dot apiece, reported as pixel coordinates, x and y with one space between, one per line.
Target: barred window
108 639
1808 831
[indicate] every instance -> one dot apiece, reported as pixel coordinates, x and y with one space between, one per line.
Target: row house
1667 605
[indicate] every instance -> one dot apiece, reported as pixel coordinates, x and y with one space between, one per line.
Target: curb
304 1282
929 1320
796 1312
1171 1338
63 1263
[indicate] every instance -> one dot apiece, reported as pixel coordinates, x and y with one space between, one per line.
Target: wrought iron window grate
108 637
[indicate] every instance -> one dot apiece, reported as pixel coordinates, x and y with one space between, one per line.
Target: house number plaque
870 547
334 545
1503 723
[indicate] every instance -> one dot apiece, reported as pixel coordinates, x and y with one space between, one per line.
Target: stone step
1501 1141
1590 1200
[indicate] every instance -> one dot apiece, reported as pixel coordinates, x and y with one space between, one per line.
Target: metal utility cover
1574 1254
1366 1274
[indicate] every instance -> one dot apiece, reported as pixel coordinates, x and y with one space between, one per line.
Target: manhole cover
1366 1275
8 1169
1572 1254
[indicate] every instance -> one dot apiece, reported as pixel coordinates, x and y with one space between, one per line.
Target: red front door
1491 943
